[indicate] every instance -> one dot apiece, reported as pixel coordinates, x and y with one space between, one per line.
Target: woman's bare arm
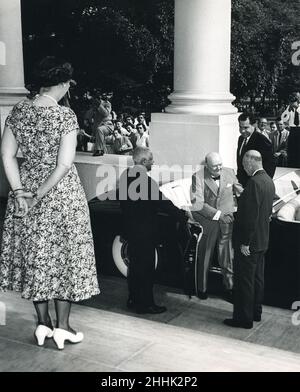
9 148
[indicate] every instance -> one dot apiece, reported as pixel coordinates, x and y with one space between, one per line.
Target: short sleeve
69 122
9 122
14 116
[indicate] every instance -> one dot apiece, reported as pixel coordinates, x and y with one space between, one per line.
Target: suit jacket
259 143
140 201
207 198
265 133
251 225
279 142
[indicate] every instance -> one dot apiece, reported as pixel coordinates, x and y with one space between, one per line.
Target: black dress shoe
202 294
238 324
152 309
98 153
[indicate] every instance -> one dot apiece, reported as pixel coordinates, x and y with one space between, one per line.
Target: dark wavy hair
52 71
294 97
245 116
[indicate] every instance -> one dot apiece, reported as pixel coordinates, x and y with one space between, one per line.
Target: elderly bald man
212 195
251 238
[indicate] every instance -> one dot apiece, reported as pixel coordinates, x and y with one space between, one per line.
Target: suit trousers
293 147
101 133
219 234
248 286
141 270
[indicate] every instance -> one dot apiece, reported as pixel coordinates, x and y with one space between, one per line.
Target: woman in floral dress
47 249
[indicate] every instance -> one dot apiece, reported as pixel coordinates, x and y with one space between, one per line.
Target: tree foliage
262 34
120 45
127 46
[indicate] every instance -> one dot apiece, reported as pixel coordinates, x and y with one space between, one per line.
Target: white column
11 53
12 87
202 58
201 117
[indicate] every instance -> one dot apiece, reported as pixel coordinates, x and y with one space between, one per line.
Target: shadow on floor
275 330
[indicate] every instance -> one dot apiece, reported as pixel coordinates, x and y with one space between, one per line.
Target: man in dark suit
291 116
250 139
212 196
141 200
251 237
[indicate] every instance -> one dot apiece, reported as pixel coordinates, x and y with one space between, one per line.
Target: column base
185 139
187 102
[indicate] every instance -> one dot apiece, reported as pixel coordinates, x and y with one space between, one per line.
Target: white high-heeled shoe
41 333
60 335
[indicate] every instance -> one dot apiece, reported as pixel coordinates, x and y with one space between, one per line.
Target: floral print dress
48 254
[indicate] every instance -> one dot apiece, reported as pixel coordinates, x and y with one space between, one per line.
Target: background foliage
126 46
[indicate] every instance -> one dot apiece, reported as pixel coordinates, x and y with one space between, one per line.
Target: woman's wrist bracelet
18 189
17 192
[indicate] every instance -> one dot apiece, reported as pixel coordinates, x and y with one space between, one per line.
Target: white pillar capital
202 58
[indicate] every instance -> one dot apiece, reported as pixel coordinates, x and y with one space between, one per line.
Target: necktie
279 139
243 145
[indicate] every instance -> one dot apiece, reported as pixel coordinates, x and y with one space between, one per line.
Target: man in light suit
279 138
251 238
212 196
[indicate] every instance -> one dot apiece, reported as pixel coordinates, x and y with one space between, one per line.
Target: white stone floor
190 336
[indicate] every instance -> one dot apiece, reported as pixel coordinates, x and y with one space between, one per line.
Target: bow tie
216 178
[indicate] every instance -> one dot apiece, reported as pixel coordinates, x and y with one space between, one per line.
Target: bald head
213 163
213 157
252 161
143 156
253 154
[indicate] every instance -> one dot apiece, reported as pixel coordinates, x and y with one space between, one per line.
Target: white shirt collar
257 171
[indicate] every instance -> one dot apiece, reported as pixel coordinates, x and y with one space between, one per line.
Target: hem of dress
50 298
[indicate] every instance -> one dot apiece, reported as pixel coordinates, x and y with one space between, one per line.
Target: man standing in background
262 127
279 138
103 126
250 139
